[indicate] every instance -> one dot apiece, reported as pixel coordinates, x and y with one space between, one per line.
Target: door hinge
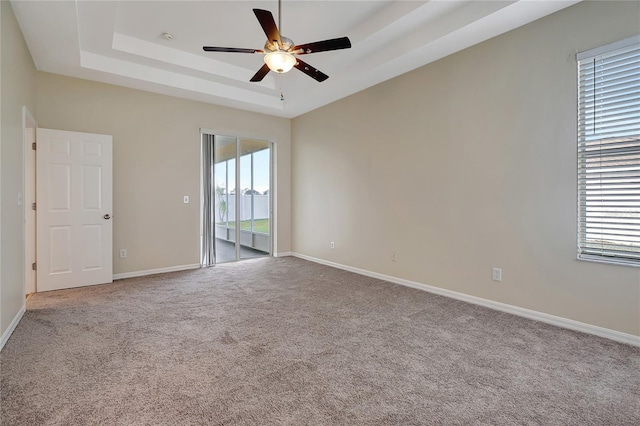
33 266
33 206
33 146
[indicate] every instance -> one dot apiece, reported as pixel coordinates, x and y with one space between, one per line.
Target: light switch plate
496 274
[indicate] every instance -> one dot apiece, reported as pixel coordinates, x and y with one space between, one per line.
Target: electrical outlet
497 274
185 199
333 245
394 256
123 253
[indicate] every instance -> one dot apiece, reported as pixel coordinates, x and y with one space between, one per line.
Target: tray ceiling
121 42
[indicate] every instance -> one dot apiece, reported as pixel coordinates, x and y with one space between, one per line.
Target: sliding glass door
255 205
237 210
224 188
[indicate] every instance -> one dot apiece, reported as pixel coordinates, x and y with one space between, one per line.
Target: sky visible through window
260 172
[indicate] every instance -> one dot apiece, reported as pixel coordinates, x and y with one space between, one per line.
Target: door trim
29 196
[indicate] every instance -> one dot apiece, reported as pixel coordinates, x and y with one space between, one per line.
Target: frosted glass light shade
279 62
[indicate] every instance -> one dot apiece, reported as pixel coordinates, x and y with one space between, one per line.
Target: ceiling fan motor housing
272 46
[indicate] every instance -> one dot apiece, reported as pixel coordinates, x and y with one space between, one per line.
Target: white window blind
609 153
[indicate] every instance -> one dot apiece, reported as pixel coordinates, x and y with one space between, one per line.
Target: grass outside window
259 225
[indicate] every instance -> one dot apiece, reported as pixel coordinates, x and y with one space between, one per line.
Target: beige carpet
289 342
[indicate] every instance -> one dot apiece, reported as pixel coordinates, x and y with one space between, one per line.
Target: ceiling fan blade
311 71
323 46
268 25
230 49
261 73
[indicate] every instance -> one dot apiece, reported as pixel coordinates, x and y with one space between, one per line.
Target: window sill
613 261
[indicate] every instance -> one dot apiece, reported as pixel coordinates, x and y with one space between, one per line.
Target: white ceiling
120 42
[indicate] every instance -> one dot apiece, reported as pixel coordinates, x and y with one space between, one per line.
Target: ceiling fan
280 53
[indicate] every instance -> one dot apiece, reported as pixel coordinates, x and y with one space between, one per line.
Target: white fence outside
260 208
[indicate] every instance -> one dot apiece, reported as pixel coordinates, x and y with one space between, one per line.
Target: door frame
29 284
273 192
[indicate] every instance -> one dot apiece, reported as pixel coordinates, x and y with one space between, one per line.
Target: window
609 153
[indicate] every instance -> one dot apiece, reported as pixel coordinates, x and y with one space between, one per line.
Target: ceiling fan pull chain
281 91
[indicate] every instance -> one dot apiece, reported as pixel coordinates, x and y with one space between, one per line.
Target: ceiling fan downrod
280 15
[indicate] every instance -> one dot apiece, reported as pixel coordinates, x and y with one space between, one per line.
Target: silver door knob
106 216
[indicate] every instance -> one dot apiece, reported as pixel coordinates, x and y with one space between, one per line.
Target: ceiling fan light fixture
279 61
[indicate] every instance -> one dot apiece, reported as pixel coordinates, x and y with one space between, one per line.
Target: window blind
609 154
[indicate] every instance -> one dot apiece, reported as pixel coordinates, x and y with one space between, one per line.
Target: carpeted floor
289 342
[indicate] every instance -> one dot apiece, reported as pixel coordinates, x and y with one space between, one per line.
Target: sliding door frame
272 187
238 221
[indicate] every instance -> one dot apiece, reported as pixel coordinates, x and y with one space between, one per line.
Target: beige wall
156 157
17 77
466 164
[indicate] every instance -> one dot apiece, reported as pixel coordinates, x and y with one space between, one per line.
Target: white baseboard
283 254
155 271
629 339
12 326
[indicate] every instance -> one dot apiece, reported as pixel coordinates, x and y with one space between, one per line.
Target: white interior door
74 206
